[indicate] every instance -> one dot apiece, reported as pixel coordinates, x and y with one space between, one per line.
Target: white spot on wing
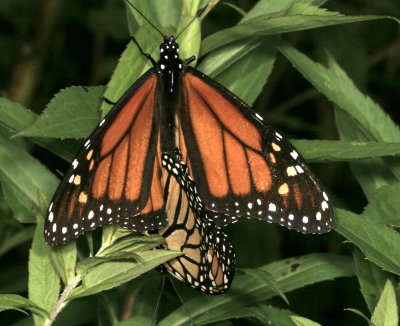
272 207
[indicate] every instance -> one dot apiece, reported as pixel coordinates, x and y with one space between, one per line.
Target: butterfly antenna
181 300
145 18
153 322
199 13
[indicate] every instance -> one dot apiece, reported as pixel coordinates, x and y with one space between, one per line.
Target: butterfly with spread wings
242 166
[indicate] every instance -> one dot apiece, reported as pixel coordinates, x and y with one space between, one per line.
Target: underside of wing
208 262
114 175
243 167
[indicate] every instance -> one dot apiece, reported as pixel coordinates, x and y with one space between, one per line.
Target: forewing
111 177
243 167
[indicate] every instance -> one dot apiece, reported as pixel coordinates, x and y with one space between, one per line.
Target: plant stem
62 301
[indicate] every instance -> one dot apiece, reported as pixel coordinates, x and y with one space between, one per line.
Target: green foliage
269 56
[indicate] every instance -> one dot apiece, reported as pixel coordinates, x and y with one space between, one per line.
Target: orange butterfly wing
115 176
243 167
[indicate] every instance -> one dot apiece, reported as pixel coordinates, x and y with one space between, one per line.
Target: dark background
47 45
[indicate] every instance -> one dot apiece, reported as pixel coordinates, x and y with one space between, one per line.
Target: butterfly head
170 65
169 55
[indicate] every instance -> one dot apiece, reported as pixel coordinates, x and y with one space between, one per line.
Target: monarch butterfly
208 262
241 166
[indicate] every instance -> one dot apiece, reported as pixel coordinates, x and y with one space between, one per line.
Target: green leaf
17 302
386 312
17 118
72 113
379 243
340 89
337 150
267 278
132 244
64 260
252 60
44 283
267 8
356 116
22 178
300 18
301 321
385 205
110 274
14 116
290 274
372 279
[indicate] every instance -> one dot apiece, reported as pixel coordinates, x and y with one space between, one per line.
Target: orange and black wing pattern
243 167
115 177
208 260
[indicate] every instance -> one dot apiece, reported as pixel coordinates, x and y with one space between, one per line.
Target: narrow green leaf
337 87
385 205
386 312
372 279
17 302
132 244
64 259
72 113
379 243
267 8
266 25
23 177
110 274
333 150
290 274
44 283
301 321
253 60
264 276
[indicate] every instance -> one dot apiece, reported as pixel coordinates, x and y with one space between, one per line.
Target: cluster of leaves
242 58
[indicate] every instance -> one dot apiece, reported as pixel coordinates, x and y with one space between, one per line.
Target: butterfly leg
147 55
105 99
